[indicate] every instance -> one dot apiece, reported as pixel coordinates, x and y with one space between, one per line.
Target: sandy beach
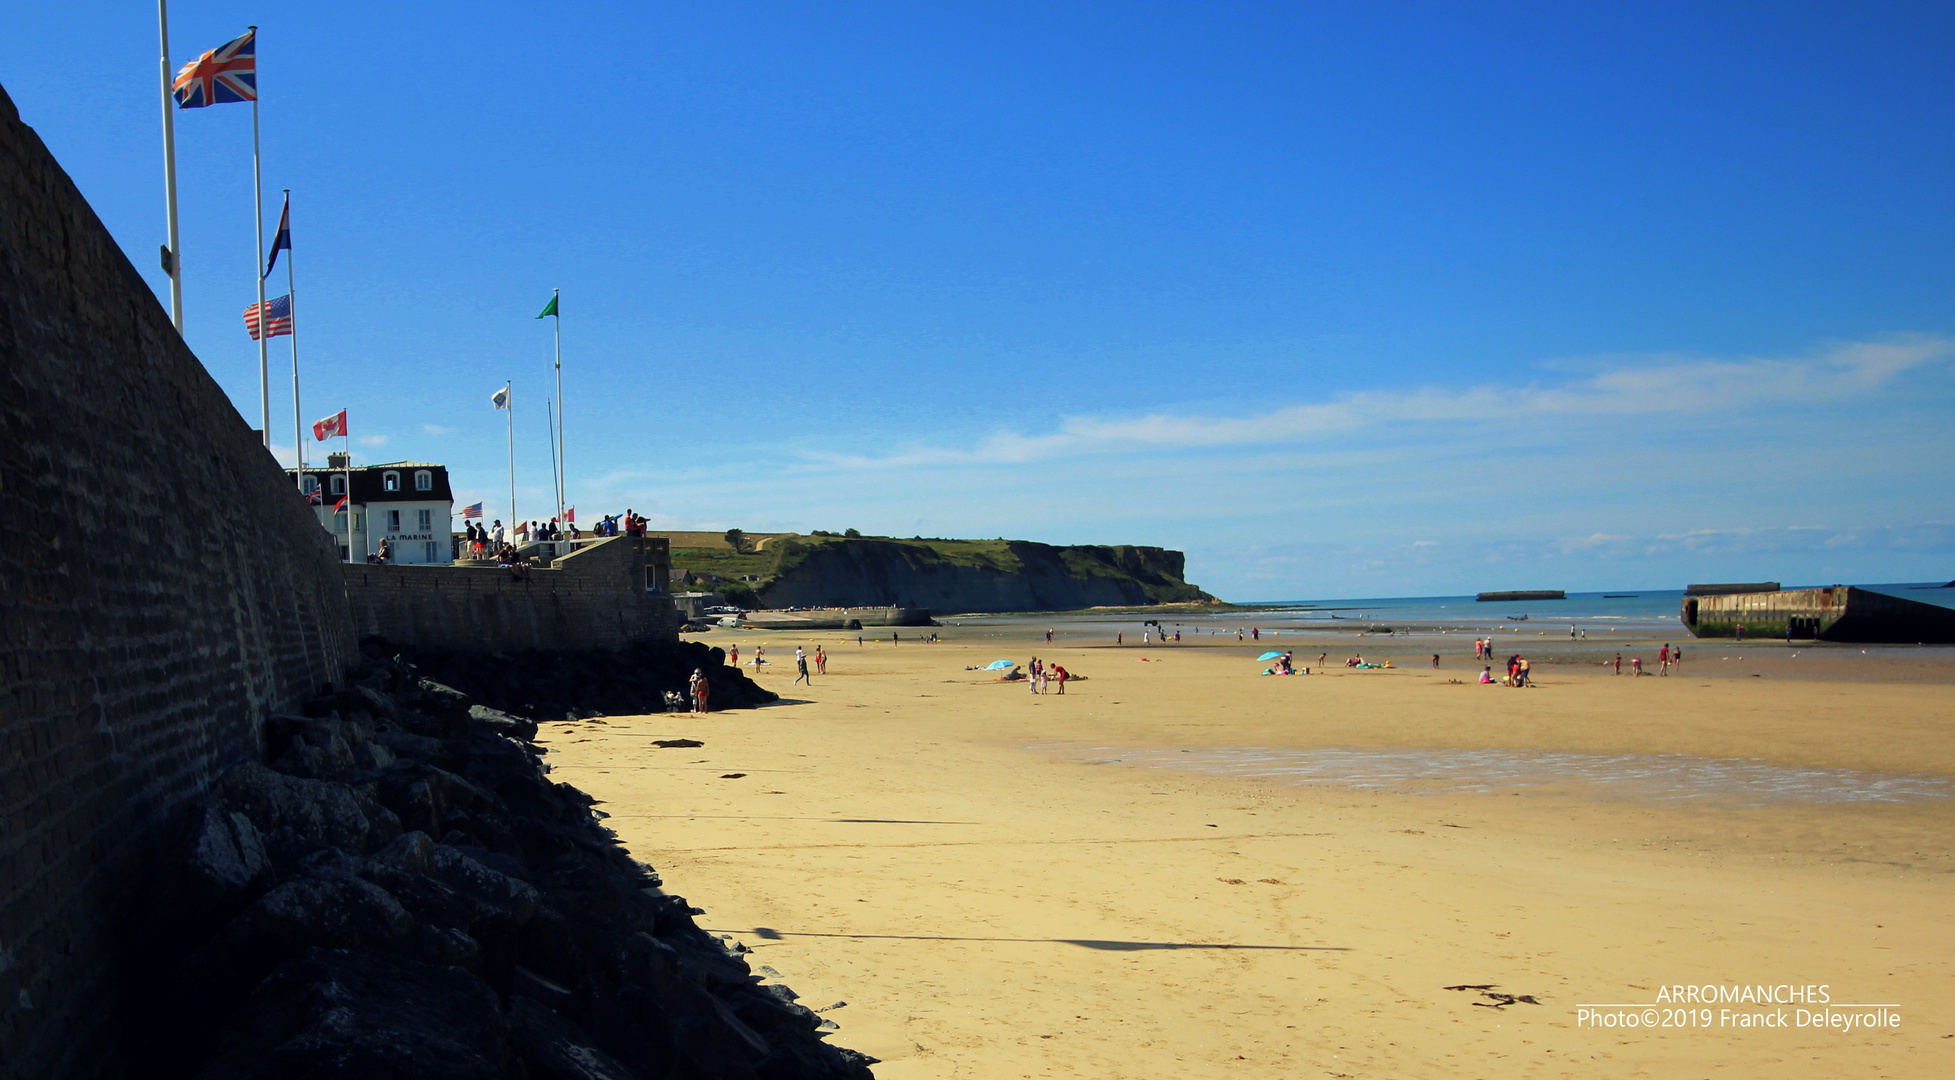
1183 869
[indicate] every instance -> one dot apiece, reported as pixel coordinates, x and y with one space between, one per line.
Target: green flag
549 308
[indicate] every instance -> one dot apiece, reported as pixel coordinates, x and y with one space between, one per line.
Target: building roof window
310 483
424 481
339 483
390 481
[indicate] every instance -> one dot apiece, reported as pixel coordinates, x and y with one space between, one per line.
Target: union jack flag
224 74
280 321
312 495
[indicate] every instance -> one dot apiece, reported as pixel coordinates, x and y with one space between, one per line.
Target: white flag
501 398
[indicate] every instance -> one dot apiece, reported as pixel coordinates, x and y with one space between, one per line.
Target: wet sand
1005 885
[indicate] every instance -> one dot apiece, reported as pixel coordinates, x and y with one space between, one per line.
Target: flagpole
292 309
346 470
555 474
557 322
509 402
174 253
258 223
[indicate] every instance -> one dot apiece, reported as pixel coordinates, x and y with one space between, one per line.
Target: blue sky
1341 299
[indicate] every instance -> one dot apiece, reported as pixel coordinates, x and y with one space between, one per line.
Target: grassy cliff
944 574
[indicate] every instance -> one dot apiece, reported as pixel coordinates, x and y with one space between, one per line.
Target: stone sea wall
594 598
162 590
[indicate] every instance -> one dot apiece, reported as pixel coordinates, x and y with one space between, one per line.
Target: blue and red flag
312 495
278 322
225 74
283 241
472 510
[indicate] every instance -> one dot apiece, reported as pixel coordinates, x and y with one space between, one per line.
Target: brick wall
592 599
161 589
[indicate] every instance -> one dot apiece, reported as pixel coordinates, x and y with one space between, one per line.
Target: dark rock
227 864
293 812
556 1049
408 746
334 1015
502 723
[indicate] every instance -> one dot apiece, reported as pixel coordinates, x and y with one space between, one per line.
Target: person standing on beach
1255 633
801 666
1663 659
821 661
1618 663
1119 637
1435 661
733 655
1048 635
702 691
1676 658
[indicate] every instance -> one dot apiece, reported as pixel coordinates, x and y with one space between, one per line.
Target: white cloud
372 440
437 429
1646 386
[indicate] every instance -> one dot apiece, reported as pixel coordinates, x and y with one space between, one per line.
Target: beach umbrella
1000 665
1269 656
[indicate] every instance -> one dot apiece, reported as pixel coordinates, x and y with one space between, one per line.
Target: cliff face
1012 575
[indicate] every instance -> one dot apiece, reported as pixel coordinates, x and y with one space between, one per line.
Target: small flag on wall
331 427
280 322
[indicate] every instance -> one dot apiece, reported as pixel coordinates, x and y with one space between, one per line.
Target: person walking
733 655
801 666
1048 635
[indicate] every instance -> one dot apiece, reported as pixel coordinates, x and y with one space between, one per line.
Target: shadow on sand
770 934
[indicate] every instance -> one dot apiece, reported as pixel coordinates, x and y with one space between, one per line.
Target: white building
406 503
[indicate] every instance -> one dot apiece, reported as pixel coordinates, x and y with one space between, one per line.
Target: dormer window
339 483
424 481
390 481
309 485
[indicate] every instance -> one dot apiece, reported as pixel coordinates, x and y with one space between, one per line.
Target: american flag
281 320
224 74
472 510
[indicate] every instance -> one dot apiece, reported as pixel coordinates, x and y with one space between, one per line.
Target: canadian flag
569 514
331 427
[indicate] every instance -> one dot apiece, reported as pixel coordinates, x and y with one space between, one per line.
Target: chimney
336 461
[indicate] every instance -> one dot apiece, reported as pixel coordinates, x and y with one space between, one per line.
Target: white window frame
390 481
427 520
339 483
310 484
394 521
424 481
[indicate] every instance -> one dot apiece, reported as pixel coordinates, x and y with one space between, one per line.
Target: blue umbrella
1269 656
1000 665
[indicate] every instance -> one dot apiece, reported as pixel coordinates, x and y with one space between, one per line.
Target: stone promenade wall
594 598
162 589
